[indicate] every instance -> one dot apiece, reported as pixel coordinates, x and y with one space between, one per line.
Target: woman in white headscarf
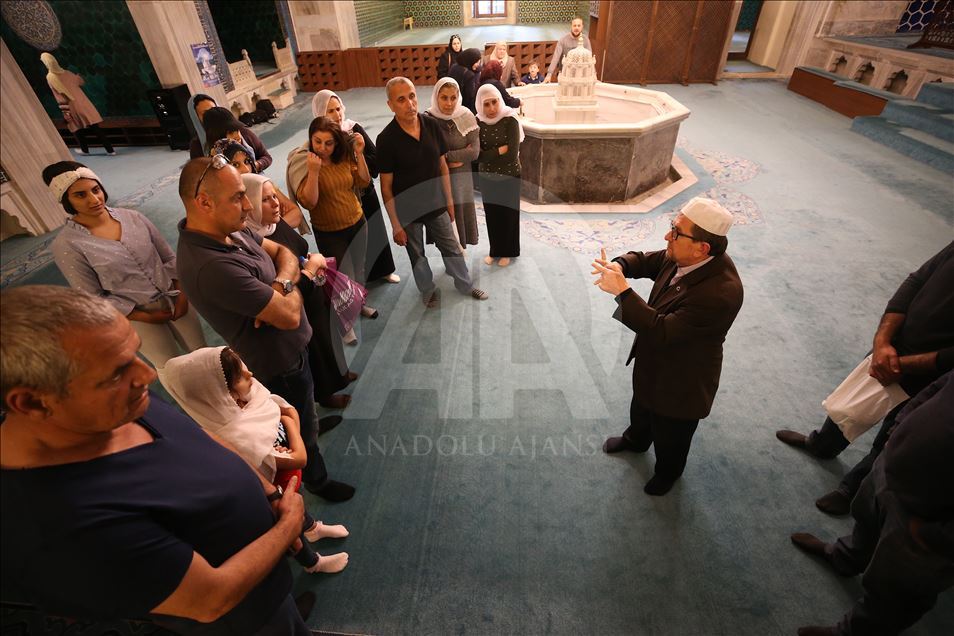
508 75
80 114
325 353
218 391
499 167
379 263
461 133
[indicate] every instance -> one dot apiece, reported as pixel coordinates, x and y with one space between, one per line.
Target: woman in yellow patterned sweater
324 174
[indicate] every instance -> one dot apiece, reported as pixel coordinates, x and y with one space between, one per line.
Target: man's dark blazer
679 331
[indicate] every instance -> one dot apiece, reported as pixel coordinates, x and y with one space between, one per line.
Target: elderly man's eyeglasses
218 162
676 233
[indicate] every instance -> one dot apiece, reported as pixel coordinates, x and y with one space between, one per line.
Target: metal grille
665 41
626 41
940 31
709 41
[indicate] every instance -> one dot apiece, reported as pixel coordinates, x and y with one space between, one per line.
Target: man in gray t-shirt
564 45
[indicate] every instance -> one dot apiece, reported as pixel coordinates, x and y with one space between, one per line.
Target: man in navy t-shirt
415 184
115 505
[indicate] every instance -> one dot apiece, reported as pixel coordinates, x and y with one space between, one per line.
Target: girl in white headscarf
218 391
80 114
499 167
461 133
379 263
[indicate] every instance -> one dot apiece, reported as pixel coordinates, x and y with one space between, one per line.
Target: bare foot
323 531
393 278
329 564
503 262
489 260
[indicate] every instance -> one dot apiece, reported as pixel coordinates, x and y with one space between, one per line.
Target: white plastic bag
860 401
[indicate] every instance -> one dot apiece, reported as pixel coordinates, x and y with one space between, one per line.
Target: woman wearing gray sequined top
459 128
119 255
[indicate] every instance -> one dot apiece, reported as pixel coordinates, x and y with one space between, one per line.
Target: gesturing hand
611 279
358 143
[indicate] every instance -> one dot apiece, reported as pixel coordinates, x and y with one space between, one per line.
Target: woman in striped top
324 175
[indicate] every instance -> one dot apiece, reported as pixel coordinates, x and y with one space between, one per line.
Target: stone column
324 26
30 143
169 29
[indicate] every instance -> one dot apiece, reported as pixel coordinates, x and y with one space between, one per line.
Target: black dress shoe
658 486
792 438
618 445
332 490
326 424
834 503
817 630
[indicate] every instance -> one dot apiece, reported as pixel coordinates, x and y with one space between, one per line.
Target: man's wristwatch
287 285
275 496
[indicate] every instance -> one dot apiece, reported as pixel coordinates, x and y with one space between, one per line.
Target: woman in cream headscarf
379 263
508 76
78 111
462 136
325 353
218 391
499 164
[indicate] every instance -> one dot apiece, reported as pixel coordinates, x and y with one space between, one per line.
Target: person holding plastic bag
913 346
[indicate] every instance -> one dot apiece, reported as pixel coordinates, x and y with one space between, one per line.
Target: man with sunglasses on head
679 333
244 286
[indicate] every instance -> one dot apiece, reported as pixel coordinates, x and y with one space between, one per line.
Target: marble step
916 144
920 116
940 94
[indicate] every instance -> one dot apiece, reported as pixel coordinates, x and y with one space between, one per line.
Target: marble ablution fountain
593 142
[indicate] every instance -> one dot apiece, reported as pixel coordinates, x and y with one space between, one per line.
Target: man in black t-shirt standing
415 184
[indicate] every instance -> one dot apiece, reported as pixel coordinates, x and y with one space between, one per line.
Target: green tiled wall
101 43
549 11
252 26
377 20
750 11
435 14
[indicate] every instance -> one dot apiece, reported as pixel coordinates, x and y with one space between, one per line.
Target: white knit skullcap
62 182
708 215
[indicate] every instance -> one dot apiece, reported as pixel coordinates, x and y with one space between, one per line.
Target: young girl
218 391
499 159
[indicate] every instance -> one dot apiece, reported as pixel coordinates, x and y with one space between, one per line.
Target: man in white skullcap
679 333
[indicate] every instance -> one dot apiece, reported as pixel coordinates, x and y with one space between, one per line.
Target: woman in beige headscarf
78 111
509 77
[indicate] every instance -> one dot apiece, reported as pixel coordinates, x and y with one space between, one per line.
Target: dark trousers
297 386
851 482
901 579
82 136
671 437
286 621
349 248
501 197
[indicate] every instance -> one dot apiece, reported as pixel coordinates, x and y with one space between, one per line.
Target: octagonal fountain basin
614 153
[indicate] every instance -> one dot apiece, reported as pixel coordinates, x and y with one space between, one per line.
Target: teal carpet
484 505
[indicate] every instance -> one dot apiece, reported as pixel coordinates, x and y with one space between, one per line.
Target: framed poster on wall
206 63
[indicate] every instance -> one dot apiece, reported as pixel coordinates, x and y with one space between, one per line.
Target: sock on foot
322 531
329 564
